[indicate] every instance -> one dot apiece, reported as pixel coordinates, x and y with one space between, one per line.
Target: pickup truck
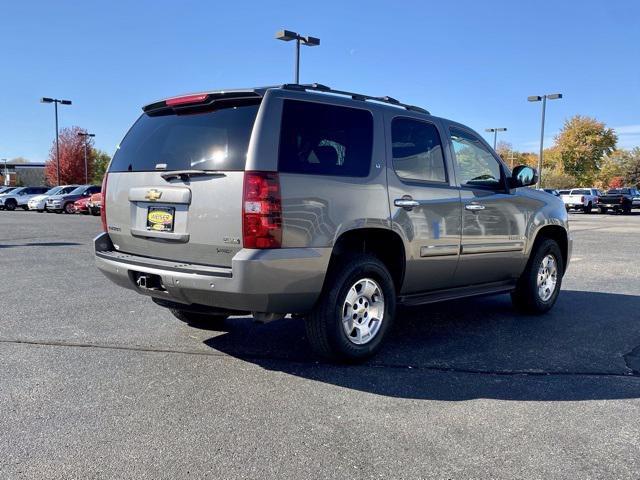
619 200
581 199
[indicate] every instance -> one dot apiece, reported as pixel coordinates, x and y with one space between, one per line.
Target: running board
456 293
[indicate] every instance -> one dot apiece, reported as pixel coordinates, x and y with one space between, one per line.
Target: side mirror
523 176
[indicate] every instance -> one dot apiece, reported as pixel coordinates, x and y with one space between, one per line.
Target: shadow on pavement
586 348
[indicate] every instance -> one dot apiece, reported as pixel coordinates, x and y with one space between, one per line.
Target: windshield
212 140
52 191
78 190
16 191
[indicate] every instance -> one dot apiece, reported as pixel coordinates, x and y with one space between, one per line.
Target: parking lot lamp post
537 98
56 101
86 169
287 36
495 134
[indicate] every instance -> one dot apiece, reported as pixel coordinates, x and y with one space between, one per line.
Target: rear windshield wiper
186 174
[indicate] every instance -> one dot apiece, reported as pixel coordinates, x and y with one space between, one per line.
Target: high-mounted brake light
171 102
261 210
103 204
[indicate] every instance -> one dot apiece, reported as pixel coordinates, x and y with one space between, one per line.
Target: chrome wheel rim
547 277
363 311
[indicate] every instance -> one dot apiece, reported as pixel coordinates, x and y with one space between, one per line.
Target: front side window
476 165
322 139
417 151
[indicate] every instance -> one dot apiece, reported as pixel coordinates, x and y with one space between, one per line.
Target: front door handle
406 202
474 207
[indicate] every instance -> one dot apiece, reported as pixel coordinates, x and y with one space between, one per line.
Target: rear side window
211 140
323 139
417 151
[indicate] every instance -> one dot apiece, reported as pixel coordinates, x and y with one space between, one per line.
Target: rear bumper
287 280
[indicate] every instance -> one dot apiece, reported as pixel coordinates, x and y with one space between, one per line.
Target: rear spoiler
199 100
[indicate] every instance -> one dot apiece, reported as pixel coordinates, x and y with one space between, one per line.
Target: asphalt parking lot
98 382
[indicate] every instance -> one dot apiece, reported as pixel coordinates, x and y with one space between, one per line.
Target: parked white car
583 199
19 197
39 201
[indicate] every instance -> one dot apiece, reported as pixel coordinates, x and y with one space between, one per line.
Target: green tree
100 161
631 167
581 145
558 180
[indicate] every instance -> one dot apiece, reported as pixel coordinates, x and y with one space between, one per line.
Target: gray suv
331 206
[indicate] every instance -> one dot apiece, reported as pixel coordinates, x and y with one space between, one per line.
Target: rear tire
603 210
588 208
538 286
196 318
354 312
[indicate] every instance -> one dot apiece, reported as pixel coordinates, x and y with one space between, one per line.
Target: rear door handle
406 202
474 207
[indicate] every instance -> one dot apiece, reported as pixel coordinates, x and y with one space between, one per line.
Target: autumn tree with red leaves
71 158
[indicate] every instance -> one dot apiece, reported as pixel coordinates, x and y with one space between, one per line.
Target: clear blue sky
472 61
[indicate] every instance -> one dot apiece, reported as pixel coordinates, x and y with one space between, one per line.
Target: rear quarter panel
317 209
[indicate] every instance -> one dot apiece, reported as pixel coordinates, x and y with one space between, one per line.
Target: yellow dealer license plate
160 219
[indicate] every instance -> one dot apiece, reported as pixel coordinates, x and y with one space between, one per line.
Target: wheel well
386 245
559 234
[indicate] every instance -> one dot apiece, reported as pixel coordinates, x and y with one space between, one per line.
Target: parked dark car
64 203
620 200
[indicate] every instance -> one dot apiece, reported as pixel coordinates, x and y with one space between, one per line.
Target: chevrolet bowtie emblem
153 195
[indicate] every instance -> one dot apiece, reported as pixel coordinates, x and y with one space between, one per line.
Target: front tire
68 208
539 285
355 310
10 205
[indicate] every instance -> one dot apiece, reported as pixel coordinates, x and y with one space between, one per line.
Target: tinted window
476 165
211 140
325 139
580 192
417 151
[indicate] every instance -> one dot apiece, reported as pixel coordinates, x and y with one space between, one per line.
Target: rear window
323 139
580 192
211 140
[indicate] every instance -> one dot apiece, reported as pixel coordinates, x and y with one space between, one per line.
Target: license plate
160 219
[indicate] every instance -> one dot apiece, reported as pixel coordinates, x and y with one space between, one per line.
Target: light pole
86 170
495 134
56 101
537 98
287 36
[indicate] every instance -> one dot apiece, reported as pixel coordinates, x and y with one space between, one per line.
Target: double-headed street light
56 101
537 98
288 35
86 136
495 134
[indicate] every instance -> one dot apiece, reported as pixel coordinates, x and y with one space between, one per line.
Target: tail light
261 210
581 199
621 199
103 206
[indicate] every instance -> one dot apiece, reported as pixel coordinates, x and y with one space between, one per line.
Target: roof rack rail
318 87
